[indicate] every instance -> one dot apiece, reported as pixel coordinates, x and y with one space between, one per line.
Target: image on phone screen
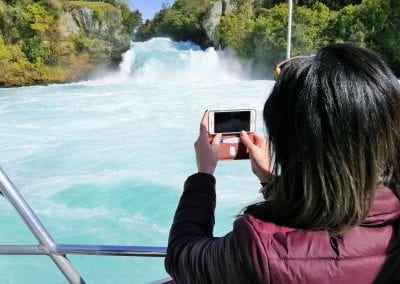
226 122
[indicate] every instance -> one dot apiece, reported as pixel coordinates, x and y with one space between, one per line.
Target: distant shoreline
62 41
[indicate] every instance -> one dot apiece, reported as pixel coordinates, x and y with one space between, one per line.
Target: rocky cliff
60 41
98 35
216 10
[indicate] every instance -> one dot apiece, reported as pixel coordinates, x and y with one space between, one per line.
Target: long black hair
333 121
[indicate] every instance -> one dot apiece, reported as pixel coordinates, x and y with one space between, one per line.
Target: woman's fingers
203 133
244 137
204 121
258 138
257 142
259 155
206 154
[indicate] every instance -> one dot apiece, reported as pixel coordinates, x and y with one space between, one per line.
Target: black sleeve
193 254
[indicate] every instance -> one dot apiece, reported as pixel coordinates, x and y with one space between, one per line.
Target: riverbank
61 41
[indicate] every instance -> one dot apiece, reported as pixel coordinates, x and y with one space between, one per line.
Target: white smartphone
231 121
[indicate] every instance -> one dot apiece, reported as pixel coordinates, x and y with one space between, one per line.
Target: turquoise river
103 161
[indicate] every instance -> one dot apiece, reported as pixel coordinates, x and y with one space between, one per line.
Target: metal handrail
111 250
57 252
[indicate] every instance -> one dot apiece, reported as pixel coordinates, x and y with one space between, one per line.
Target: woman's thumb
246 139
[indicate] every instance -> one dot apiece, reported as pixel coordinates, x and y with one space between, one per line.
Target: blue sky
147 7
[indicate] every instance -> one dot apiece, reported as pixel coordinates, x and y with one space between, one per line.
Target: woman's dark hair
333 121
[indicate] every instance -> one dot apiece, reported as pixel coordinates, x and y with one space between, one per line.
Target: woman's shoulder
250 222
283 242
257 235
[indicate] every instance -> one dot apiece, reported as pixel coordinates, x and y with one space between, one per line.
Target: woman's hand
259 155
206 153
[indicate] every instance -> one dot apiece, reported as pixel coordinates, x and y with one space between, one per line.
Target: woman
331 205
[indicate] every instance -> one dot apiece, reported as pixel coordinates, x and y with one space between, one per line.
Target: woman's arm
194 255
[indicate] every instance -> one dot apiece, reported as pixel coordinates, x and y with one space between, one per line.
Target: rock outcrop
216 10
100 39
110 30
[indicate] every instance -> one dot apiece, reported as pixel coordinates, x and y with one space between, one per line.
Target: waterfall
163 60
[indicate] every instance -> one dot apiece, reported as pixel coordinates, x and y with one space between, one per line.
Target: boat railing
58 252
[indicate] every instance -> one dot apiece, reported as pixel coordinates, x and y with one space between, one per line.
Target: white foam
161 60
105 160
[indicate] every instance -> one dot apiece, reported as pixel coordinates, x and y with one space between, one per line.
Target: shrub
35 49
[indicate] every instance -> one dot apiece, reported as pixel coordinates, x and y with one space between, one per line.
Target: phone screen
232 121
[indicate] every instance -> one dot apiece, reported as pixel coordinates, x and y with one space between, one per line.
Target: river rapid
104 161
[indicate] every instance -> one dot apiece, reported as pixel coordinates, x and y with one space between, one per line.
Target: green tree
11 25
234 28
131 20
375 15
265 39
178 25
348 27
382 21
35 49
4 52
195 8
310 28
181 21
268 37
37 18
374 24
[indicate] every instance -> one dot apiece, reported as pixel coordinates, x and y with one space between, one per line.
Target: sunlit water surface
104 161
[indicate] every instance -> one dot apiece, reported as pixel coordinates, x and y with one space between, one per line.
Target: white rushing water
104 161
